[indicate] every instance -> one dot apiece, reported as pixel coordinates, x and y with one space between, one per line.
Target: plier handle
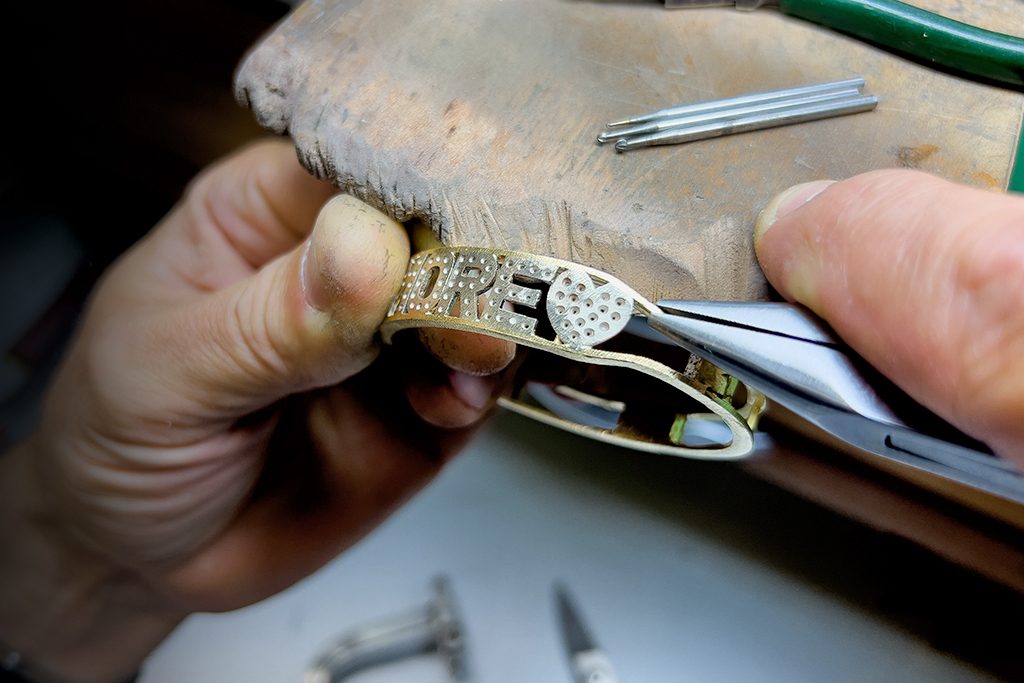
906 30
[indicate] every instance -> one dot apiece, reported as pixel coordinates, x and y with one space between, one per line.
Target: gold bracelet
494 292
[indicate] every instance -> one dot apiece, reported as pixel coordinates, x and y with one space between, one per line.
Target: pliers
793 357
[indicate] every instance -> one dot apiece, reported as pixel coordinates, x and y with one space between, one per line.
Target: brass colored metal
485 291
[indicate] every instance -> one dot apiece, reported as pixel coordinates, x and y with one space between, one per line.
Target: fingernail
312 282
476 392
787 202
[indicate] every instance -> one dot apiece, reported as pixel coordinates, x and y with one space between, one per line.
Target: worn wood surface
987 546
479 117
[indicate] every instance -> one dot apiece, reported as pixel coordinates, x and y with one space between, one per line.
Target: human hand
924 278
217 431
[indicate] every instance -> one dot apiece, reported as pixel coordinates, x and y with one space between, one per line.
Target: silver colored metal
588 662
764 316
659 125
741 100
787 353
435 628
743 124
585 313
451 284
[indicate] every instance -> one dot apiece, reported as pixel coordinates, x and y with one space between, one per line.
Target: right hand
924 278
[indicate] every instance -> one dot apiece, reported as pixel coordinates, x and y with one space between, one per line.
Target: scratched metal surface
479 117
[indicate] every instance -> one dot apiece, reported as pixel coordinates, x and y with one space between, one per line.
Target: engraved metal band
489 291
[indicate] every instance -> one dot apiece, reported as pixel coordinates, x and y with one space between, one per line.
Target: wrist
70 614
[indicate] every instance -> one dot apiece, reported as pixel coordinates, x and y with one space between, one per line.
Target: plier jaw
790 355
783 346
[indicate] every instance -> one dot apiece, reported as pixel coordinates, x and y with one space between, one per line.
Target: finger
439 395
241 213
923 278
307 319
472 354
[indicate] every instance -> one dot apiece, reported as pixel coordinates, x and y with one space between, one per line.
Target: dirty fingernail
476 392
787 202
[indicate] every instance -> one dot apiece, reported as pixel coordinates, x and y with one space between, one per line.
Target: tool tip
622 145
606 137
620 124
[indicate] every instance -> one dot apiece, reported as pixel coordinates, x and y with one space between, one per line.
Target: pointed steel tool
588 661
742 100
744 124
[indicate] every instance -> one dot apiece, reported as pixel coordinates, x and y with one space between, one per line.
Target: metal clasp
433 629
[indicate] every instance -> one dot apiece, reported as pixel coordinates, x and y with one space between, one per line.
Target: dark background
110 108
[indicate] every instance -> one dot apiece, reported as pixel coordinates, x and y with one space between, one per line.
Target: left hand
216 432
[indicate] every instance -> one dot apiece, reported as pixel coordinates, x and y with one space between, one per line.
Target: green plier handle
916 33
907 30
923 35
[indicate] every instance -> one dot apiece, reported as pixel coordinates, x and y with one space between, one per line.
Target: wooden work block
480 116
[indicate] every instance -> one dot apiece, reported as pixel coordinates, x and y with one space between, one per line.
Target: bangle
501 293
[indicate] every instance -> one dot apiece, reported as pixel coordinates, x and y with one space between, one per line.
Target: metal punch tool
739 114
913 32
795 359
433 629
588 662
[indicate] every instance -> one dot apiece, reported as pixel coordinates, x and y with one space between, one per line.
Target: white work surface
684 571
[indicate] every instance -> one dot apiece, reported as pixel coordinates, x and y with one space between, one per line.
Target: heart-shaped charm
584 313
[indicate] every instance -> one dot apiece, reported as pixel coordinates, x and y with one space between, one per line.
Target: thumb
306 319
922 277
